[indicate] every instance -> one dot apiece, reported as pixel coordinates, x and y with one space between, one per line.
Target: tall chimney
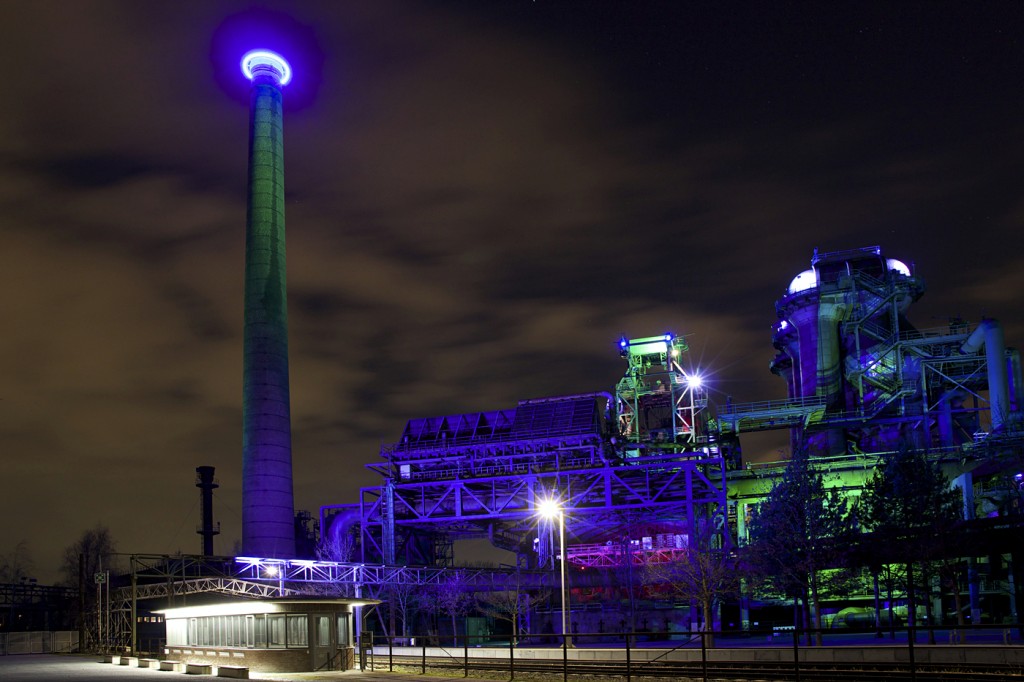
268 526
206 485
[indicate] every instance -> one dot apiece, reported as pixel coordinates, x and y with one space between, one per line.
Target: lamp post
550 509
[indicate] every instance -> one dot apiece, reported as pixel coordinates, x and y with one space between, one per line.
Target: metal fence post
391 652
704 655
629 668
465 656
512 657
796 654
911 635
423 660
565 658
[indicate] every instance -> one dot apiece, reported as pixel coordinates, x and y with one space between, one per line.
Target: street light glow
549 508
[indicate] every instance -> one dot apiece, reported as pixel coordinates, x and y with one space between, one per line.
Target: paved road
47 667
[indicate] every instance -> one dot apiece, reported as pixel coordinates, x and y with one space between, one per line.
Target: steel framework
635 465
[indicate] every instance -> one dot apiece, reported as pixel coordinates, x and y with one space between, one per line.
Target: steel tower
268 528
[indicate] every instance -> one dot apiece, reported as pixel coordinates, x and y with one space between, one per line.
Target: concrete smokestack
208 529
268 526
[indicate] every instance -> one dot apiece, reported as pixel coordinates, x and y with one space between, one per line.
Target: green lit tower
268 527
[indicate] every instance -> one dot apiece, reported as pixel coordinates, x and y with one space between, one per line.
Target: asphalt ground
87 668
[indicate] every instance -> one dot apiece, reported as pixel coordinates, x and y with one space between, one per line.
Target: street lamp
550 509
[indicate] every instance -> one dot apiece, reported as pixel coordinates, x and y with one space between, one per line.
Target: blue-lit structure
638 471
636 468
633 472
862 379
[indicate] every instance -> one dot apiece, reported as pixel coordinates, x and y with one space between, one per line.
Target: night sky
482 197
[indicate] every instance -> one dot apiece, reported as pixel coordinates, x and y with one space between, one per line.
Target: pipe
990 335
829 367
1016 381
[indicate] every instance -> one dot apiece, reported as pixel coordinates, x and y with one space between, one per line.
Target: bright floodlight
694 381
273 571
549 509
258 60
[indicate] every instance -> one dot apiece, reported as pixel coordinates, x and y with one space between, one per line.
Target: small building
269 635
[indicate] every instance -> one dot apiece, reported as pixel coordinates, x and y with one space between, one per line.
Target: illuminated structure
862 379
633 473
657 400
267 503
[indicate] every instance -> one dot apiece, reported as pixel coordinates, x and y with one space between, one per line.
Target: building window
298 630
344 639
275 631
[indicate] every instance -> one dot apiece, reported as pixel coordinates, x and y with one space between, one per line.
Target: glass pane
298 634
323 630
344 639
275 630
261 632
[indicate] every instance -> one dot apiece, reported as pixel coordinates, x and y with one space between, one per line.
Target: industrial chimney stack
207 528
268 526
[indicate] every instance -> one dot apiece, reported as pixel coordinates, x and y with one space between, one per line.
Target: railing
772 405
782 651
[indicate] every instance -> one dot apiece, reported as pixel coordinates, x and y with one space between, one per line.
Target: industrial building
646 472
636 469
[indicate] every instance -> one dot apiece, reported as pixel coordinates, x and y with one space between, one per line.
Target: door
325 643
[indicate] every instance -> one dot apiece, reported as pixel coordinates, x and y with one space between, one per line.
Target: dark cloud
482 197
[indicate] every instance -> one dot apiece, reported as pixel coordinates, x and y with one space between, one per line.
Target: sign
99 578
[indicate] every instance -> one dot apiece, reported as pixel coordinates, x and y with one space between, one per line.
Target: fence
779 653
61 641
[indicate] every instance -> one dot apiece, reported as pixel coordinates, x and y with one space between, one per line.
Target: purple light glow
265 58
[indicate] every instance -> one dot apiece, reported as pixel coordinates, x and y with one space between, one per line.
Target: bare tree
93 552
704 572
337 546
97 550
510 606
402 596
16 564
451 597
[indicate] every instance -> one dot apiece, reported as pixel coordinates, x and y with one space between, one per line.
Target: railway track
750 671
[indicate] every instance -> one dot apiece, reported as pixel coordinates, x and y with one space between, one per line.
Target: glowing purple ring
267 58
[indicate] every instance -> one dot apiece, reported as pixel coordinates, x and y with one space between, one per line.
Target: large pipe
990 335
1016 381
828 380
268 526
